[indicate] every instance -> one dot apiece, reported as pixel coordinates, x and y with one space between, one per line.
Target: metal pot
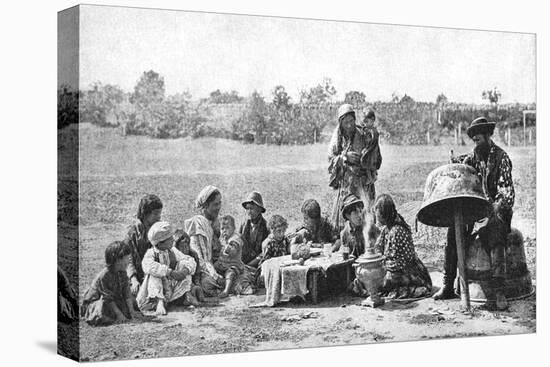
517 282
370 271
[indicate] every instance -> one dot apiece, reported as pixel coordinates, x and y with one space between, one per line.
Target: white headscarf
159 232
204 195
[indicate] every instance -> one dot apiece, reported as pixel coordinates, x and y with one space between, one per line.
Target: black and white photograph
235 183
274 183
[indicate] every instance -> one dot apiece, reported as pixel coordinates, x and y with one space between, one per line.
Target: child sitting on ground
109 299
182 243
352 234
167 272
229 262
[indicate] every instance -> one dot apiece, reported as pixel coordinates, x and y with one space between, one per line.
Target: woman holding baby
354 159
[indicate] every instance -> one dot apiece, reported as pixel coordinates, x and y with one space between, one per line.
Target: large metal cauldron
448 186
517 282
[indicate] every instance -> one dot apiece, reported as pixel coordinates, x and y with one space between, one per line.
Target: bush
101 104
67 106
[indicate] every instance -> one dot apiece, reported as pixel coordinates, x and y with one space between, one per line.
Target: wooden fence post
506 137
524 136
530 136
428 136
456 135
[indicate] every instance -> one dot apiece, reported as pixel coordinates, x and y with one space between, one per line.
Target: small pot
370 271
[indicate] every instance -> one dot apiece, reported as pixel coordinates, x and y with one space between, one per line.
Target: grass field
115 172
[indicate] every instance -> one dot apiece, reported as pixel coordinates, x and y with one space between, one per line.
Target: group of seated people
157 265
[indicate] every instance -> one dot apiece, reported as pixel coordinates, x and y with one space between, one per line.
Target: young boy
352 234
229 262
314 228
167 271
109 298
254 231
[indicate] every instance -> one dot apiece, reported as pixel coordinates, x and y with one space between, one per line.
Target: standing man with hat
354 159
494 167
254 231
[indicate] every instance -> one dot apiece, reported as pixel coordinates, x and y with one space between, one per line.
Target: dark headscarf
147 204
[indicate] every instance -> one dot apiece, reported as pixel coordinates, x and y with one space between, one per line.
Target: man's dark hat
480 126
256 198
350 201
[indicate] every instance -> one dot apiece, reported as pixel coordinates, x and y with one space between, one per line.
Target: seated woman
406 276
167 272
315 229
203 235
148 213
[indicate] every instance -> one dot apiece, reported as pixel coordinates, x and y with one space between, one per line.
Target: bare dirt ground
230 326
116 172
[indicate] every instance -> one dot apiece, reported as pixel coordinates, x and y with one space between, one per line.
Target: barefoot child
229 263
109 298
167 271
183 243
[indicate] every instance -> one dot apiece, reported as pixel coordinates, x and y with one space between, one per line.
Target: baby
229 262
167 271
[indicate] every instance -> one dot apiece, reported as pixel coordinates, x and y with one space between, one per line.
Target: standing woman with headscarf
354 159
202 234
149 212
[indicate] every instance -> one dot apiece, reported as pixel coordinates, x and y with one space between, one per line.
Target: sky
202 52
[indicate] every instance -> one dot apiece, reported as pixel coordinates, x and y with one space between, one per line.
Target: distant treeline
275 119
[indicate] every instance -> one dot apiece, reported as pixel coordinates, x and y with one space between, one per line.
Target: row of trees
280 121
148 111
145 111
275 119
